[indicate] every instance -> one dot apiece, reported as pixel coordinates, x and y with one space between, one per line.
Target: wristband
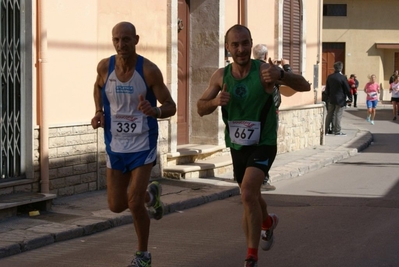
158 112
99 110
287 67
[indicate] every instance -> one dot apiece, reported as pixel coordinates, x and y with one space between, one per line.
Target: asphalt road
346 214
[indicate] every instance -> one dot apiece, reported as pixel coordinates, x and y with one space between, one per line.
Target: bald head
126 26
125 39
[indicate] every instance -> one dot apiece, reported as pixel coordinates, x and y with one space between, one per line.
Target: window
292 34
334 10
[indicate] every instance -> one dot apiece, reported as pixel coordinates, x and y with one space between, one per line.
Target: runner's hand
271 73
223 97
98 120
145 107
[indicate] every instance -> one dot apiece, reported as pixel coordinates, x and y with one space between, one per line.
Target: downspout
319 88
42 93
242 12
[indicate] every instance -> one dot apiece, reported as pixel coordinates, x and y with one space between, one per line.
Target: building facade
364 35
50 51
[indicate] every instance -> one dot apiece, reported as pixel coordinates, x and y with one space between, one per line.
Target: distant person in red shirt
353 84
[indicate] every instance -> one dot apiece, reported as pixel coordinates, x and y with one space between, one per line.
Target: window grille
10 86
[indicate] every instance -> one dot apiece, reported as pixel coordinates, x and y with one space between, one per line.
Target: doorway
332 52
183 73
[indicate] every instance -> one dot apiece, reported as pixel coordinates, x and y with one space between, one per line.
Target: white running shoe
267 237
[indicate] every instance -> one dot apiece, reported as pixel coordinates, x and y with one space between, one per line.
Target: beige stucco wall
367 22
78 38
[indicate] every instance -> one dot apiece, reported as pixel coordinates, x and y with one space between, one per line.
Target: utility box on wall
316 76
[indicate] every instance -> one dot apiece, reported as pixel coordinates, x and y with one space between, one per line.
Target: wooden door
396 62
183 60
332 52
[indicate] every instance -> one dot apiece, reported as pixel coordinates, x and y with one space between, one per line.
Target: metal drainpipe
319 29
320 10
41 72
242 12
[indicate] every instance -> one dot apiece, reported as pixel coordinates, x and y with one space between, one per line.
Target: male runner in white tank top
126 92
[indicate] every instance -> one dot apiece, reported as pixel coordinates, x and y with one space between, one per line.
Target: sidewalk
87 213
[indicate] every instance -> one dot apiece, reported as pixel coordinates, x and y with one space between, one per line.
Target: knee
117 206
249 198
136 204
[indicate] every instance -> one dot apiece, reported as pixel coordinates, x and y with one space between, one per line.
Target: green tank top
250 116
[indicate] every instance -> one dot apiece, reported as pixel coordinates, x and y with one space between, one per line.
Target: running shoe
250 262
155 207
368 118
267 237
372 122
141 260
266 186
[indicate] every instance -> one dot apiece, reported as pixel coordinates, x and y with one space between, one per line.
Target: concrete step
14 203
194 149
190 153
210 167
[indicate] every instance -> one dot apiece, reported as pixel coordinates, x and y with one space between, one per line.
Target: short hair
237 27
338 66
259 51
352 76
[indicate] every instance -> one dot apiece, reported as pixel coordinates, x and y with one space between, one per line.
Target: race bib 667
244 133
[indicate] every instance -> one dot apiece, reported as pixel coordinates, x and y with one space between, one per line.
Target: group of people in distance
372 89
126 94
340 93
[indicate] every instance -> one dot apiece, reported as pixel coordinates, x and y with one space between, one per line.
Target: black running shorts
261 157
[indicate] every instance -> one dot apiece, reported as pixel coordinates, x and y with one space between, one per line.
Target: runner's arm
213 96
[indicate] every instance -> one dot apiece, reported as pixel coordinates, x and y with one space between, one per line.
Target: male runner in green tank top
244 91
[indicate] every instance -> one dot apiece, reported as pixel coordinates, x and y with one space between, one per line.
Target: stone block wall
73 164
77 158
300 127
